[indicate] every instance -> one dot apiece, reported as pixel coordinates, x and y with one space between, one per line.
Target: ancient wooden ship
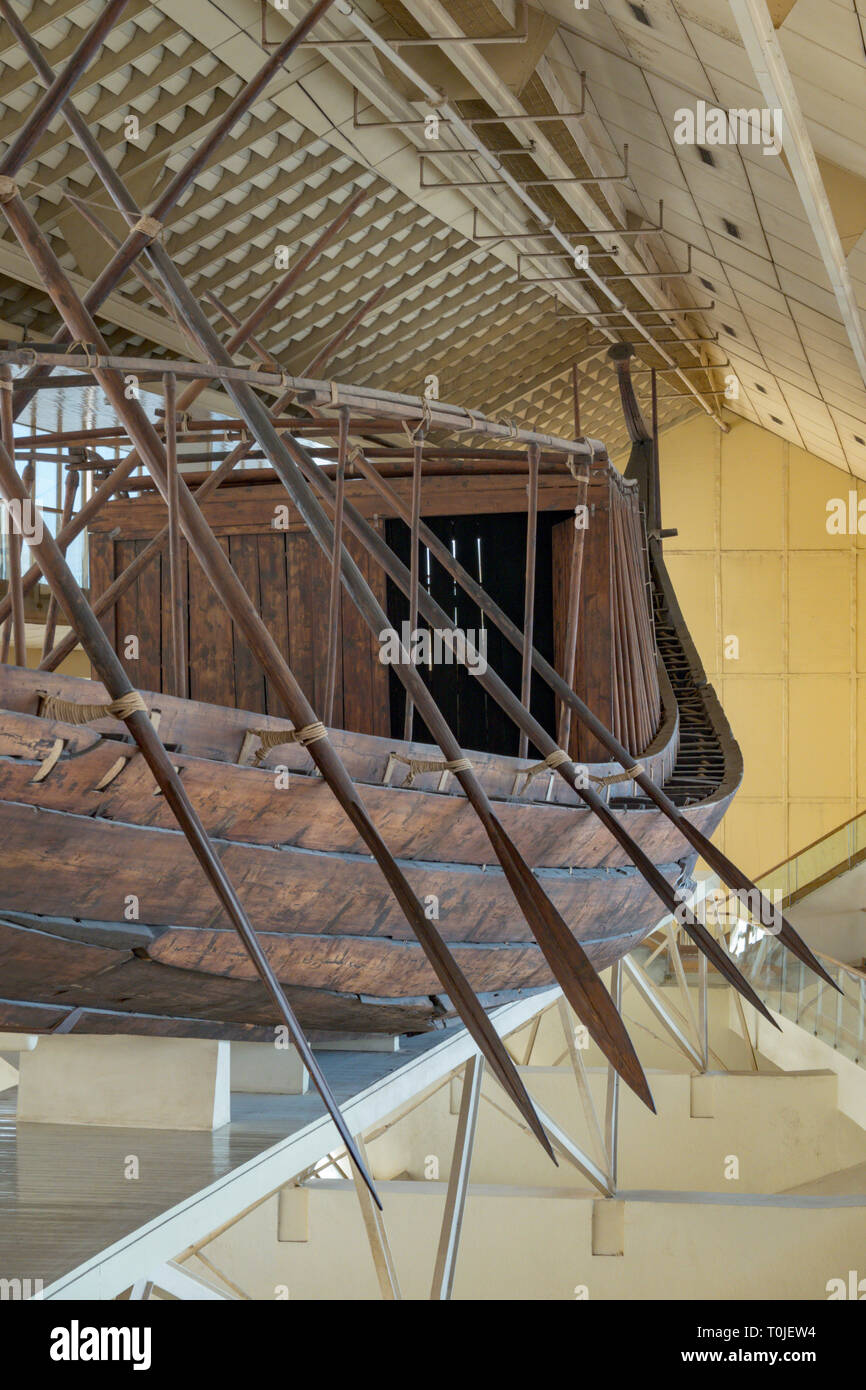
246 820
146 949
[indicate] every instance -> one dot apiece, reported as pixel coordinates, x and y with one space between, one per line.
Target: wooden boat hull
149 948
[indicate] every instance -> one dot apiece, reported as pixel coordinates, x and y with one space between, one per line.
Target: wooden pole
116 682
179 672
529 589
414 567
575 578
334 594
69 494
15 626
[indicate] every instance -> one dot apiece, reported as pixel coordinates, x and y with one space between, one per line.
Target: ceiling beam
774 79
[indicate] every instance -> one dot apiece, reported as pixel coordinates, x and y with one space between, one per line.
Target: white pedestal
264 1069
13 1043
125 1082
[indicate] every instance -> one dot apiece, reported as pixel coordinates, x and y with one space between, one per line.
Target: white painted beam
774 78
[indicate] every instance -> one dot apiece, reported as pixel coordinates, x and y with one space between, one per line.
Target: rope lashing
6 385
558 757
627 775
418 765
273 738
68 712
149 226
552 761
8 189
92 359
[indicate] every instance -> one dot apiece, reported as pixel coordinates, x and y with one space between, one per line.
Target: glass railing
820 861
785 984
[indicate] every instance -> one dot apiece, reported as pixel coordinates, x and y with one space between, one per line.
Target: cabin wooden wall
287 577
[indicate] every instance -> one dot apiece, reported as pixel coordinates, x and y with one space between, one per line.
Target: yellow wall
753 559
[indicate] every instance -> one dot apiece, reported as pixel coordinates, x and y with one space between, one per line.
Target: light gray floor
64 1195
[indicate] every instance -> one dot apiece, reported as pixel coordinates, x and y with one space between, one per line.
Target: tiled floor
64 1190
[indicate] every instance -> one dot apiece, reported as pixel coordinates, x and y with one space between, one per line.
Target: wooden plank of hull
216 732
90 866
198 974
246 804
316 1009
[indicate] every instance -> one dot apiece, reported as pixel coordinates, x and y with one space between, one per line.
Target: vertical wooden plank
149 624
102 574
126 610
381 719
563 547
211 666
160 566
357 645
595 629
249 677
278 601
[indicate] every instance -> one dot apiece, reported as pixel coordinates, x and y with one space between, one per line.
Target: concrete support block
608 1227
125 1082
293 1214
264 1069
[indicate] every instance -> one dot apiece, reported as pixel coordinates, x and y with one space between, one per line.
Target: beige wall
753 559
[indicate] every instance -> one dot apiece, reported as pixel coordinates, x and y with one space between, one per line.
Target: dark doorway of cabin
492 548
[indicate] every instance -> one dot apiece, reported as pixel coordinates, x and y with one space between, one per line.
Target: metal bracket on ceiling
562 313
427 41
524 183
358 124
550 230
682 395
584 279
692 367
